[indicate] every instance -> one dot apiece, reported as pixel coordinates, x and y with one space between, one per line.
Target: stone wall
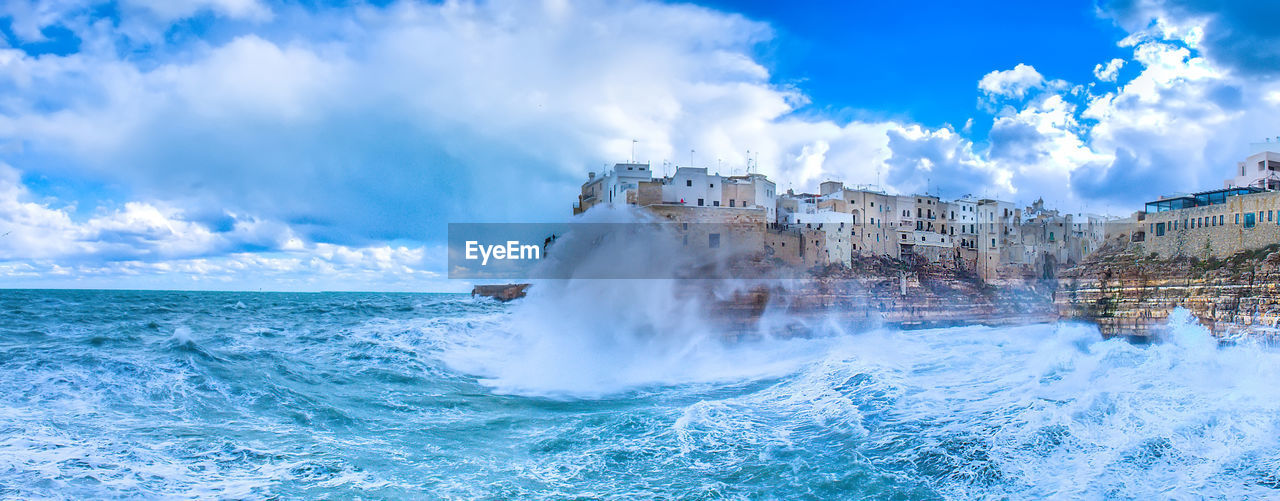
1184 233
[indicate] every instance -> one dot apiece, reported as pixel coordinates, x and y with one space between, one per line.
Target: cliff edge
1128 293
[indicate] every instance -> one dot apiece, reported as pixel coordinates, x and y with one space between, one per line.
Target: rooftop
1201 199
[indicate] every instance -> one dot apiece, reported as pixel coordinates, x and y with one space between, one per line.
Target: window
1248 220
685 226
1237 218
715 203
688 182
1159 229
713 240
731 203
993 242
1051 236
711 185
700 204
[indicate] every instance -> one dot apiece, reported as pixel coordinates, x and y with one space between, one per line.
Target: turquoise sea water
259 395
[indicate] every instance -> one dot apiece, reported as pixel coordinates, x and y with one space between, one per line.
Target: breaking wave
231 395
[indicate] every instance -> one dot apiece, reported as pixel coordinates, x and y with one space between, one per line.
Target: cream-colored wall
1214 241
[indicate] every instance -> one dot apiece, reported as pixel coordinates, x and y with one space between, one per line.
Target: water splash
345 396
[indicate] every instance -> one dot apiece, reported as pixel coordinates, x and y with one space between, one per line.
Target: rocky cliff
886 292
1122 291
1129 294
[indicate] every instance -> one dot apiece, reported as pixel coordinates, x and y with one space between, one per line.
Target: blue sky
245 144
921 60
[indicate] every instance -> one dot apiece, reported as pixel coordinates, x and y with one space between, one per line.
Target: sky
249 144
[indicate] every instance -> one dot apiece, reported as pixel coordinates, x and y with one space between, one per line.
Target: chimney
591 175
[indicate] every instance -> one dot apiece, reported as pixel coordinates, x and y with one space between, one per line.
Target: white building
1259 170
693 186
752 190
612 185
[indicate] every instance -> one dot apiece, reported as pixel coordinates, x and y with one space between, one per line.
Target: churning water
251 395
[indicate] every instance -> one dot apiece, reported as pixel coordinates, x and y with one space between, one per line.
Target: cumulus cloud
136 21
940 161
169 10
1238 35
417 114
1109 71
44 246
1011 83
303 140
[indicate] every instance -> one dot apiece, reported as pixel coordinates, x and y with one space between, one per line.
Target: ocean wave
392 396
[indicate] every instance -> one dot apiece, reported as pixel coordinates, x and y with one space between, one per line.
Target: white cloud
1011 83
140 21
512 100
44 246
1109 71
370 125
169 10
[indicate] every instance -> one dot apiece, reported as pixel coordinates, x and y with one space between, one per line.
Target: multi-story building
612 186
752 190
1259 170
1209 224
1218 223
990 237
874 214
963 219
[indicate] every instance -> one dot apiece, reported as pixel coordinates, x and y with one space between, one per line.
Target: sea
605 392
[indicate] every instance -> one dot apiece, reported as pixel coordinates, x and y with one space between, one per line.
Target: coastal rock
504 293
1127 293
886 292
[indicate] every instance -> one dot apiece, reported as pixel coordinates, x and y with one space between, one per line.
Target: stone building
989 237
1212 224
874 215
1245 215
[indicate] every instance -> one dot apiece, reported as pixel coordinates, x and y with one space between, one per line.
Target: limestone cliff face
884 292
1128 294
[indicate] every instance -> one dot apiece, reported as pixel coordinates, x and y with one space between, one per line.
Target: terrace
1202 199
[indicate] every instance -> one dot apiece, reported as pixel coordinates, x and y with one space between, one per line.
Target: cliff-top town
991 238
